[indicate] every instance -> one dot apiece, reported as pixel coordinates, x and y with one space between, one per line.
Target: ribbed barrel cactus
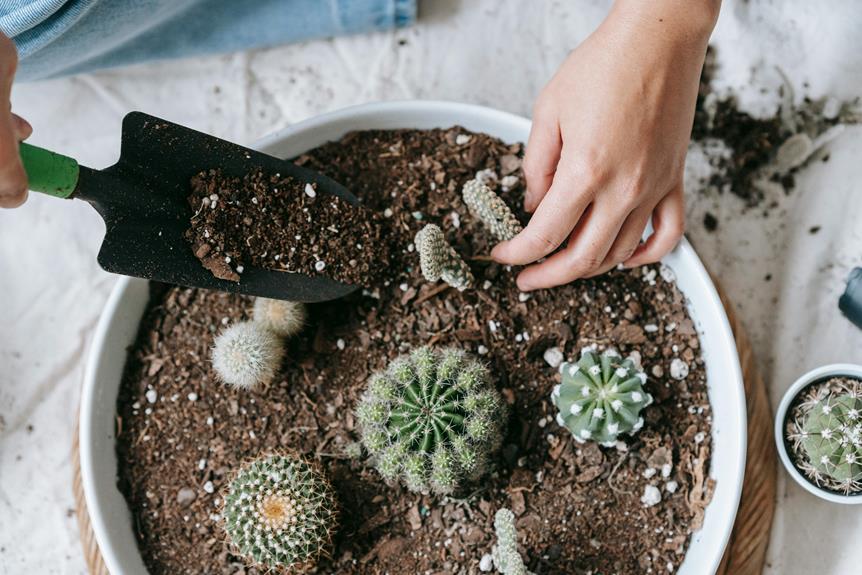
827 434
431 419
491 210
280 512
600 397
439 260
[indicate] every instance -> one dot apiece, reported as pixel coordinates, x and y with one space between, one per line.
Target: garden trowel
143 200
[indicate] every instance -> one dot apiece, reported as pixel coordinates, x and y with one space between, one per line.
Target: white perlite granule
152 396
310 191
462 139
209 487
651 496
553 356
486 563
678 369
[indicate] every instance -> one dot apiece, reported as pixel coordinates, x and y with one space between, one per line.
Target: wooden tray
746 551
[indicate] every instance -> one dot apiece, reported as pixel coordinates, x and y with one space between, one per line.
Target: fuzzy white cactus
439 260
505 554
283 318
492 211
246 355
280 512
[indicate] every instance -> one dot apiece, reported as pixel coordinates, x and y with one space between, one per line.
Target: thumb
13 178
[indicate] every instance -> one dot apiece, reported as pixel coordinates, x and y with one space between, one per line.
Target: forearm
684 23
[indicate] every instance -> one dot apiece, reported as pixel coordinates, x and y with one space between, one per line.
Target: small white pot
815 375
119 323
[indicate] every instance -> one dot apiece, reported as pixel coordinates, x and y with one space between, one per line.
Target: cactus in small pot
826 434
280 512
431 419
438 260
283 318
491 210
246 355
600 397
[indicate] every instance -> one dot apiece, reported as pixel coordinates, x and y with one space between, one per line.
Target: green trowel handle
49 172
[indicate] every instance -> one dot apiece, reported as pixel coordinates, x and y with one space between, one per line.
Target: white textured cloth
492 52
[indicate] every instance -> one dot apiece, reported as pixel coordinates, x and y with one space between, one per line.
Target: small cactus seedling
431 419
505 554
439 260
600 397
246 355
283 318
492 211
827 437
280 512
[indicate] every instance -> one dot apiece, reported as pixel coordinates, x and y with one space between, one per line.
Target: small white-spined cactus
505 554
280 512
283 318
827 437
492 211
600 397
246 355
439 260
431 419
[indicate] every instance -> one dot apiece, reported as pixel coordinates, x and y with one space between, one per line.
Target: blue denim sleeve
59 37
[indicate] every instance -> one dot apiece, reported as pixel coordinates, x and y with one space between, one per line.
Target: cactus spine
283 318
246 355
505 554
492 211
600 397
826 434
439 260
280 512
431 419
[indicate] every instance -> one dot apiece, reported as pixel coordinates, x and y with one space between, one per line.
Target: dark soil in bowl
578 507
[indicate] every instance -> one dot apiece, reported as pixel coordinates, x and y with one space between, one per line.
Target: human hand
607 148
13 129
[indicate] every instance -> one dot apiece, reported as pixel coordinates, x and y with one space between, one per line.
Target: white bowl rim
87 456
850 370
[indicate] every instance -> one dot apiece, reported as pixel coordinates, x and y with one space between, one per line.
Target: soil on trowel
578 508
279 223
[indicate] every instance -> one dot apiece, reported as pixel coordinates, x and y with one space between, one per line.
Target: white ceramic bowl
119 324
815 375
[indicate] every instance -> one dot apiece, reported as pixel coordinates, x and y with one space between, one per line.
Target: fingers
588 246
627 240
668 226
21 127
541 157
551 224
13 179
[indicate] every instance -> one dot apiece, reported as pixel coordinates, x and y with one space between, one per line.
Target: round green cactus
831 437
600 397
280 512
431 419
